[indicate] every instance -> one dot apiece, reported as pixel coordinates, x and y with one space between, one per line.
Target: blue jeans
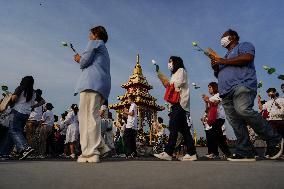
238 105
15 133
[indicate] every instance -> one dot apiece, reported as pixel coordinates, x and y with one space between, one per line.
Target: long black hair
27 86
177 63
75 108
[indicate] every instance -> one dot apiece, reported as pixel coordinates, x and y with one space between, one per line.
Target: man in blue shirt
94 85
238 88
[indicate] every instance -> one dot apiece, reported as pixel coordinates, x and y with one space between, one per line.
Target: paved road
145 173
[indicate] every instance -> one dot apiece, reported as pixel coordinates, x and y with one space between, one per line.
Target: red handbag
212 114
171 95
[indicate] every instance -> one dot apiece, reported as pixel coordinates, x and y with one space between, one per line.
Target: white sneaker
82 159
72 156
188 157
94 159
212 156
164 156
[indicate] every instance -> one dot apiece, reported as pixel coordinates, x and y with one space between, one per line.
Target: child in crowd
72 133
63 129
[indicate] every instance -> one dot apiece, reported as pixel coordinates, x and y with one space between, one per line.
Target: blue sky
31 32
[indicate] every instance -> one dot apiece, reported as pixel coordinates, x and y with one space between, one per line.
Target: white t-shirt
274 112
132 120
22 106
220 110
48 118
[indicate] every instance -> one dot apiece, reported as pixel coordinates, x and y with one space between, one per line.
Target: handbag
5 102
212 113
171 95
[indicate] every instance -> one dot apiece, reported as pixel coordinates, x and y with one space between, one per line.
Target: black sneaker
237 157
25 153
275 151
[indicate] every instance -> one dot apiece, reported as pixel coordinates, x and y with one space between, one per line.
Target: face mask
272 95
170 66
225 41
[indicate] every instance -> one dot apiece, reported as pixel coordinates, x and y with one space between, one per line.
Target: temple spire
137 69
138 59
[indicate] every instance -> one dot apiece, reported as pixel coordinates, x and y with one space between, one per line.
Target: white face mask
170 66
225 41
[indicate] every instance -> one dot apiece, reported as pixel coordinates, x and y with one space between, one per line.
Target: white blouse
179 78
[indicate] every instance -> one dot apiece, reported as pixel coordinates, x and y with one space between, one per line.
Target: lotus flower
64 44
271 71
154 62
194 44
195 86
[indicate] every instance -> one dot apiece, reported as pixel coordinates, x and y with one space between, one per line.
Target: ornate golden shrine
139 87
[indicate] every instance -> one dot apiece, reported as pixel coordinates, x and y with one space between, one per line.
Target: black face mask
272 96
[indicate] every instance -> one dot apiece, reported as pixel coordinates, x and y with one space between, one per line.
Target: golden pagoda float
147 108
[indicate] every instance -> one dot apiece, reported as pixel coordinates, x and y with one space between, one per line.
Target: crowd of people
88 132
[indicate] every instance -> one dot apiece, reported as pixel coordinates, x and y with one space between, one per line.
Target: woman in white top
72 133
218 138
178 111
22 102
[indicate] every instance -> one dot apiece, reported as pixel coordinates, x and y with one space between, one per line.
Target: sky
31 33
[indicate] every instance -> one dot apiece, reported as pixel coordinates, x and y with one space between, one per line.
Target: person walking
178 111
237 85
218 140
23 100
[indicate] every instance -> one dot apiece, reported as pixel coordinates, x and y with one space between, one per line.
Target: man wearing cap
237 85
94 87
275 109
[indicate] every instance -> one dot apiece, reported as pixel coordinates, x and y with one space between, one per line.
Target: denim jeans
15 133
238 105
